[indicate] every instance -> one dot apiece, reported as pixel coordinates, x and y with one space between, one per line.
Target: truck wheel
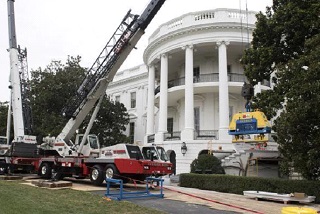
45 170
3 170
59 176
97 175
111 171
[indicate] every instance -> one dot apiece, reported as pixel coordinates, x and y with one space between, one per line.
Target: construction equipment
60 157
23 144
250 126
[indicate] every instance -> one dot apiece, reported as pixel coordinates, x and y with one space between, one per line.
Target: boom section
105 67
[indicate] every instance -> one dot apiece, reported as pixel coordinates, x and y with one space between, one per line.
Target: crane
24 143
100 74
59 157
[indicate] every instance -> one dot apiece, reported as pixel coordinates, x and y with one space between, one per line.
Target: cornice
128 80
191 30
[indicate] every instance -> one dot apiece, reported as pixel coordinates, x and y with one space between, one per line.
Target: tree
111 123
206 162
286 42
51 90
3 118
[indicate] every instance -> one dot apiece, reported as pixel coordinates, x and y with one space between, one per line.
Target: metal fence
151 138
206 135
172 136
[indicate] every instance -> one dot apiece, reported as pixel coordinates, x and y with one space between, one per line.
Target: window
196 74
118 99
131 132
93 142
230 113
229 72
133 99
170 125
3 140
229 69
134 152
197 119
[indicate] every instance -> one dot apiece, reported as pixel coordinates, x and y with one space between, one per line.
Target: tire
59 176
45 170
3 170
111 171
97 175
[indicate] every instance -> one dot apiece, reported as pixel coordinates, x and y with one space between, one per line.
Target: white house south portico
194 67
193 80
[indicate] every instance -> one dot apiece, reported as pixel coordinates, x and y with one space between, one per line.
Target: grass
17 198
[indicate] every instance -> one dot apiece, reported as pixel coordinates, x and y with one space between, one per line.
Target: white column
188 132
223 92
163 106
150 105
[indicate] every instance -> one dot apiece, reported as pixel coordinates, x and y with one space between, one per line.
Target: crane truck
23 145
60 157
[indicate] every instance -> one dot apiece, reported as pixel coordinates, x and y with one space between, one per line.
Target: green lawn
17 198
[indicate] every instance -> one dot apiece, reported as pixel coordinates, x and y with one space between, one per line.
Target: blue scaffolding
134 194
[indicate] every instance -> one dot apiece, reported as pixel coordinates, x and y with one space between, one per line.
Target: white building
190 85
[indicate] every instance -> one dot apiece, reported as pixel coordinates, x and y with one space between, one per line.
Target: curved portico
195 79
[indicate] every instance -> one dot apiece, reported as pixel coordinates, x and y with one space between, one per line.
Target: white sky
54 29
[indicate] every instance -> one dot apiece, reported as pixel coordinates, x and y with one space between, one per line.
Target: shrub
208 164
238 184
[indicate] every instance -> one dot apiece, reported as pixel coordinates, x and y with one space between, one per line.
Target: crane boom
105 67
19 84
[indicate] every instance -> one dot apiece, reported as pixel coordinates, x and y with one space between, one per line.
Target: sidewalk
227 201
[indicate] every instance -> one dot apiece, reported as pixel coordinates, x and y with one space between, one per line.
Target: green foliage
287 42
52 87
111 123
238 184
207 163
3 118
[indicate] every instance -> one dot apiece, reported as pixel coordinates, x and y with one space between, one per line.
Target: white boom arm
127 36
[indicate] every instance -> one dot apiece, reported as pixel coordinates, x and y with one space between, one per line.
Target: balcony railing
172 136
206 135
213 77
176 82
232 77
151 138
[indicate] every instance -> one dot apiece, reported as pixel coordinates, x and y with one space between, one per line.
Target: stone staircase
236 163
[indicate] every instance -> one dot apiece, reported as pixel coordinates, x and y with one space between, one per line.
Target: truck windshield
158 153
94 142
162 154
148 152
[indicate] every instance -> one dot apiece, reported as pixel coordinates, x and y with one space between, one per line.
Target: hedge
238 184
